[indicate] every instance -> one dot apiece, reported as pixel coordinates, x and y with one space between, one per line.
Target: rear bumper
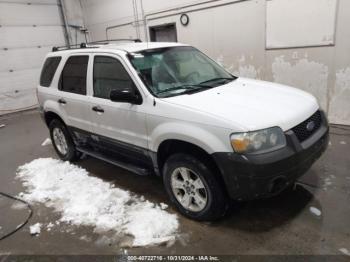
262 175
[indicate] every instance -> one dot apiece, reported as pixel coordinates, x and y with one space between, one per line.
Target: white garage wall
75 20
28 31
339 93
234 33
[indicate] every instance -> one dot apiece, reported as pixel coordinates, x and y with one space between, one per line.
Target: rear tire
62 141
193 188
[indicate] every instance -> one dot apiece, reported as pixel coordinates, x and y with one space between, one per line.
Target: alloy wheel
189 189
60 140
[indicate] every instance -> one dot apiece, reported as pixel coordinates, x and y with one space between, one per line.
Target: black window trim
120 60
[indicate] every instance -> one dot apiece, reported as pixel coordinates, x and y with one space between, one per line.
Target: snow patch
315 211
1 126
46 142
163 206
152 216
85 238
50 226
84 200
328 183
343 142
35 229
344 251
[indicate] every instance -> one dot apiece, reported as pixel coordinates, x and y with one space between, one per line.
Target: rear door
121 127
72 93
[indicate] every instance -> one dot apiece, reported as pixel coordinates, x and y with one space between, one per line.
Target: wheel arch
50 115
205 137
173 146
51 109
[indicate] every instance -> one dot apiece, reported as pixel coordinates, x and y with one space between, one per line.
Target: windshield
177 70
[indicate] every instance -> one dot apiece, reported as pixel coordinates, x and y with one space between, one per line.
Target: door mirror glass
125 95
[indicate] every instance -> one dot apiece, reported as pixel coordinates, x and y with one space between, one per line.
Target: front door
120 127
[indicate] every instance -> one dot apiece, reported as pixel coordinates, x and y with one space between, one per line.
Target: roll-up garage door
28 30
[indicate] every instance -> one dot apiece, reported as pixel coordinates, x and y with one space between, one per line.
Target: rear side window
49 70
73 77
109 74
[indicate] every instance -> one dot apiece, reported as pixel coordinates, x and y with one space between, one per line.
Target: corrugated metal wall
28 30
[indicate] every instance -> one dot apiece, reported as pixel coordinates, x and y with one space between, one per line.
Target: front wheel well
170 147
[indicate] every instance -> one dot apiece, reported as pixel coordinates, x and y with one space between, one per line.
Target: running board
130 167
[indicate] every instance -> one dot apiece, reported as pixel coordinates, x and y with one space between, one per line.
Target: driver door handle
98 109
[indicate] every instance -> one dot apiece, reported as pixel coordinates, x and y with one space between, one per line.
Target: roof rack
66 47
85 45
107 41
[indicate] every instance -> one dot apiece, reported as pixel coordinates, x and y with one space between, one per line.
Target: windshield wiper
218 78
188 88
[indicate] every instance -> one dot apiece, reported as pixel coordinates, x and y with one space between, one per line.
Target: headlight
258 141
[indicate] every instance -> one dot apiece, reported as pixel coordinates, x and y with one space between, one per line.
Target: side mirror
125 95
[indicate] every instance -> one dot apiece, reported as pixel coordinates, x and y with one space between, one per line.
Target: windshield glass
178 70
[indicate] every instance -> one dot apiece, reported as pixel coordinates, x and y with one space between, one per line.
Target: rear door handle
62 101
98 109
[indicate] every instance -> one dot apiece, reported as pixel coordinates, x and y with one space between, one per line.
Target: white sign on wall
300 23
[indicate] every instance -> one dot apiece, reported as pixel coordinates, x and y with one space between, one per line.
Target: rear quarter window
49 70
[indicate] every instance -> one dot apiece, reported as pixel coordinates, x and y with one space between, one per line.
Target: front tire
62 141
193 188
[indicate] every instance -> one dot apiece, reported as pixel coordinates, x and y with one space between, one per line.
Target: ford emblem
310 126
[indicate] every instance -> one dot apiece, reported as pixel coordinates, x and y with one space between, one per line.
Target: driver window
109 74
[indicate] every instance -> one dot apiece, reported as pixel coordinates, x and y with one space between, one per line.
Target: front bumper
262 175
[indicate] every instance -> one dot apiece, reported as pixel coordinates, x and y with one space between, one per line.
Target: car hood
252 104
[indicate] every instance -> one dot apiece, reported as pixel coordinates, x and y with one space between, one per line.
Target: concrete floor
281 225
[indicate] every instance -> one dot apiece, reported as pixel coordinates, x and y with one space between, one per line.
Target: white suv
168 109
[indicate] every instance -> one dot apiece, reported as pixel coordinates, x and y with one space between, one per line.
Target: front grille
301 130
